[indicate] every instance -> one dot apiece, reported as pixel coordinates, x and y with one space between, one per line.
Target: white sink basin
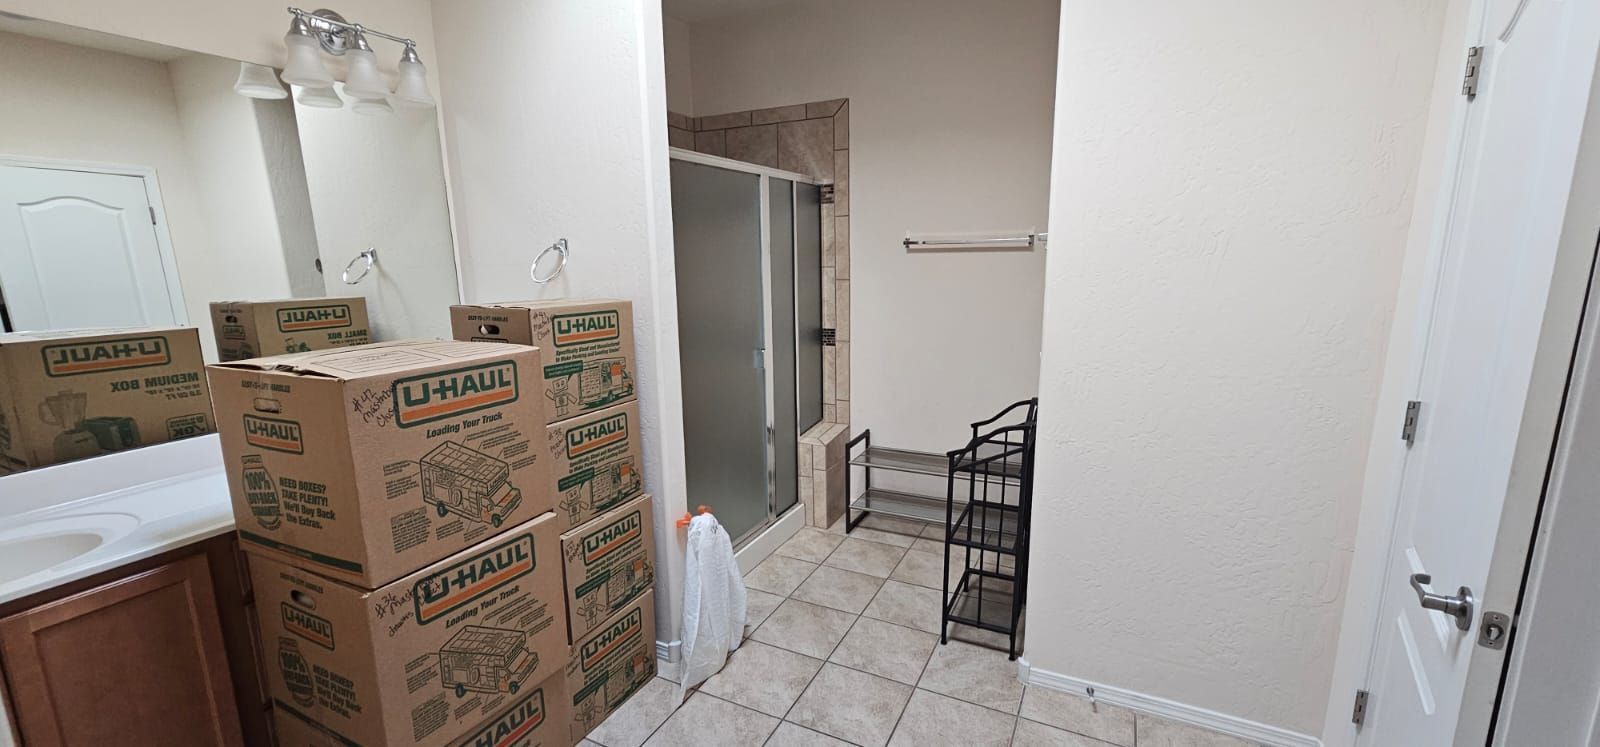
39 546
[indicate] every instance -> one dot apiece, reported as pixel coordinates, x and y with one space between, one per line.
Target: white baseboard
668 650
1167 709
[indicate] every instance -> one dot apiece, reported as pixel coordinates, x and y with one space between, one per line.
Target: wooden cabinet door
138 661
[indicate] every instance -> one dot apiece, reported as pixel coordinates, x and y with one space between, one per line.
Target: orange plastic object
684 521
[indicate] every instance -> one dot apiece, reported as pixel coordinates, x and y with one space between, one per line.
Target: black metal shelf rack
988 526
985 512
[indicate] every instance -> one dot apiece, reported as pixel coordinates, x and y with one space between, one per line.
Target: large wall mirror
136 186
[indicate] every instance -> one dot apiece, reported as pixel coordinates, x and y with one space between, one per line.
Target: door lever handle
1459 606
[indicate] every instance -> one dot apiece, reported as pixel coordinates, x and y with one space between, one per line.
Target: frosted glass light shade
258 82
412 90
322 98
305 68
375 107
365 82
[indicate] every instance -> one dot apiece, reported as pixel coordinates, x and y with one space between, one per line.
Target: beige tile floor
842 648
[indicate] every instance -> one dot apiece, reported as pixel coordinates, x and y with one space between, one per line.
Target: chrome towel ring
370 255
560 248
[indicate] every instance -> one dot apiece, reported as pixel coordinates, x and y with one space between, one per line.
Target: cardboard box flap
375 359
46 335
542 303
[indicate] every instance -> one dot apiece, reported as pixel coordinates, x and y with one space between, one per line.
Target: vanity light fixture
258 82
305 68
364 83
412 90
322 98
375 107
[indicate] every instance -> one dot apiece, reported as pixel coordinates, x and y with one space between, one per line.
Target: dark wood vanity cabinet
158 652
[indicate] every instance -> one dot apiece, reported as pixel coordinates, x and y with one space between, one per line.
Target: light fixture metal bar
350 26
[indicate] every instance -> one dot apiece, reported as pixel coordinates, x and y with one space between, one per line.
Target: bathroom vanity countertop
70 521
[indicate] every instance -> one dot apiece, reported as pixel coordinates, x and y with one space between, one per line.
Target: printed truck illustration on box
486 660
613 484
471 484
604 381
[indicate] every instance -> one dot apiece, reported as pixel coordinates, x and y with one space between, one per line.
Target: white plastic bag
713 603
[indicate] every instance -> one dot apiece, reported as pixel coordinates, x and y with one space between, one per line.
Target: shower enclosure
748 246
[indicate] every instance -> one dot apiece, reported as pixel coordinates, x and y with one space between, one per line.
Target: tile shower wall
811 139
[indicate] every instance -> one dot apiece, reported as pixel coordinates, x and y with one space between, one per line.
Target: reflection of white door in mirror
80 248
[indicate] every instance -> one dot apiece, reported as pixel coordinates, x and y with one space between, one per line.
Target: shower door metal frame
766 174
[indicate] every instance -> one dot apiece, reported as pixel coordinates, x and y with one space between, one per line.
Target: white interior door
1494 278
80 249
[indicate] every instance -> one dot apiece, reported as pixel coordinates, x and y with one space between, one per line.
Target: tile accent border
812 138
1168 709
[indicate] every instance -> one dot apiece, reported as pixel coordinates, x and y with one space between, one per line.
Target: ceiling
707 11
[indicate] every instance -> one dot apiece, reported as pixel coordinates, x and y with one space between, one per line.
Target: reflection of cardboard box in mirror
250 329
75 394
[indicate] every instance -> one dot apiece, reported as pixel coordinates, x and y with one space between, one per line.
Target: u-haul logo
583 439
620 633
307 626
523 718
440 592
597 545
99 357
274 434
574 329
445 394
307 318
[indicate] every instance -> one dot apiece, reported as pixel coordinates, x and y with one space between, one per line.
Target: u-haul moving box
425 659
67 395
596 463
367 463
586 344
611 664
250 329
608 564
542 717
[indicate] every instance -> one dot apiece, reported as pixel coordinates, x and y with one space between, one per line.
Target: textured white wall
950 111
1229 213
556 127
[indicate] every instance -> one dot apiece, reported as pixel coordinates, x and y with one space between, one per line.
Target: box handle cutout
303 599
488 329
267 404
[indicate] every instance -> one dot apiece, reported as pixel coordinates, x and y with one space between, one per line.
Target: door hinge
1469 81
152 216
1408 431
1358 714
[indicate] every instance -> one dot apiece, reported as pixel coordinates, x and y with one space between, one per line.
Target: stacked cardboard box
247 329
406 562
587 364
73 394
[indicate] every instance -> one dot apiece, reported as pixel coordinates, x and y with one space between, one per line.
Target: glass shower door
717 216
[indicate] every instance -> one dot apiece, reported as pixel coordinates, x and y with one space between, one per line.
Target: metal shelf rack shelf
985 512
